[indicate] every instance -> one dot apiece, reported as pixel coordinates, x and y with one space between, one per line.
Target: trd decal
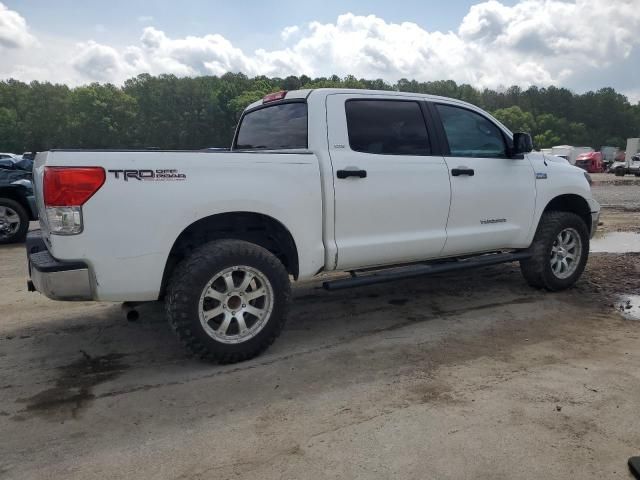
152 175
493 220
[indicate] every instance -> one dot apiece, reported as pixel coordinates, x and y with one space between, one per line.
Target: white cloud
288 32
532 42
100 62
14 32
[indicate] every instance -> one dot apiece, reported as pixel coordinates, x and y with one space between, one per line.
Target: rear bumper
53 278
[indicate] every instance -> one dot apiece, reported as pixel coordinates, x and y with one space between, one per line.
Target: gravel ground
467 375
617 192
623 197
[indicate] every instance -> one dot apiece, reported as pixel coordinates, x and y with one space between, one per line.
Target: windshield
281 126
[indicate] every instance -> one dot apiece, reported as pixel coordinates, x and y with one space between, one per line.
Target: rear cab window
387 127
274 127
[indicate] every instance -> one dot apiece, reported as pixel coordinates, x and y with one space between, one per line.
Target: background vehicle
631 164
15 162
608 156
17 205
590 162
8 160
381 184
570 153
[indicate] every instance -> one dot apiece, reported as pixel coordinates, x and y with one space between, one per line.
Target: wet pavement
629 306
616 242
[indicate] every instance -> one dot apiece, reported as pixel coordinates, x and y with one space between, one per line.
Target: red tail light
272 97
71 186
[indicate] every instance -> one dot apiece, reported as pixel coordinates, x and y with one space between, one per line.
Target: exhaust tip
130 311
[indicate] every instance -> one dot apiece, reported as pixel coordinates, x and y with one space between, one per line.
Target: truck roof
306 93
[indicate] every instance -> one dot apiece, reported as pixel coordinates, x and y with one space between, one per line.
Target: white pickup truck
383 185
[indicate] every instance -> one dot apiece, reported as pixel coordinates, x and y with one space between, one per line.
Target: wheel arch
570 202
257 228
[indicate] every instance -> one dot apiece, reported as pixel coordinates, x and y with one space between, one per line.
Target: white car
315 181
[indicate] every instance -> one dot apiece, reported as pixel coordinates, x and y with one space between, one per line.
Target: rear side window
387 127
470 134
280 126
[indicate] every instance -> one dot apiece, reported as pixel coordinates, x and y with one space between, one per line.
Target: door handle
456 172
351 173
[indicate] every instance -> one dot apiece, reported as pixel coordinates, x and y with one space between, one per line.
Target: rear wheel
559 250
619 172
228 301
14 221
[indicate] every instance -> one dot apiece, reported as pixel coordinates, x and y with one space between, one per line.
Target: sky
578 44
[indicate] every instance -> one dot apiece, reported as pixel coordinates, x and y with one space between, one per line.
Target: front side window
470 134
387 127
277 127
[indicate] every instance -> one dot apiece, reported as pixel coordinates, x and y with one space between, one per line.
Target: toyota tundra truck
382 185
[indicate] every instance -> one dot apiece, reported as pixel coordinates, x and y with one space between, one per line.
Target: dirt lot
472 375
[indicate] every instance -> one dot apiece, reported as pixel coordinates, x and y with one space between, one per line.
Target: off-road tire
21 233
537 270
619 172
191 276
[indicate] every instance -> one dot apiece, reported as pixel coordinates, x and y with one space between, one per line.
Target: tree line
168 112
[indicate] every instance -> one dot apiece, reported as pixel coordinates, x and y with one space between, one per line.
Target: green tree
102 116
169 112
516 120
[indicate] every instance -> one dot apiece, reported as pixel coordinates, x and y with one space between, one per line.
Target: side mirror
522 143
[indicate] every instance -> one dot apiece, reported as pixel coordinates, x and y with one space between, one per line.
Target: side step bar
424 269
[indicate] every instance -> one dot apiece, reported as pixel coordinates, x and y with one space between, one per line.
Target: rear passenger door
391 190
492 195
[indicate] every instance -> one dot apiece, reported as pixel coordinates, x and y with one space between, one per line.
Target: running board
425 269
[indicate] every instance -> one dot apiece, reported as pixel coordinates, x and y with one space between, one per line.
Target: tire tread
179 296
534 270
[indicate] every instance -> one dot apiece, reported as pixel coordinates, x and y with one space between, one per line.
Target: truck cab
590 162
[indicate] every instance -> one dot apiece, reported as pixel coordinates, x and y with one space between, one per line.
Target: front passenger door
492 196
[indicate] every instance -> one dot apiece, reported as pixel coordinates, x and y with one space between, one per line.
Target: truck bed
149 197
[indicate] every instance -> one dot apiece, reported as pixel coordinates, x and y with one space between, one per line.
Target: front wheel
559 252
228 300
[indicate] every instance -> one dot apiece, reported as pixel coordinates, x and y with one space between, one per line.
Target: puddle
73 389
616 242
629 306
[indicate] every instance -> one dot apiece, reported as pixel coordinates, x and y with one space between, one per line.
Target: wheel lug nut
243 306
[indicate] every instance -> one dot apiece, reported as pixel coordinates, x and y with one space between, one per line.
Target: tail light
65 190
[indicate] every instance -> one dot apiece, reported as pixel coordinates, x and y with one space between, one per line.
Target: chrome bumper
53 278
